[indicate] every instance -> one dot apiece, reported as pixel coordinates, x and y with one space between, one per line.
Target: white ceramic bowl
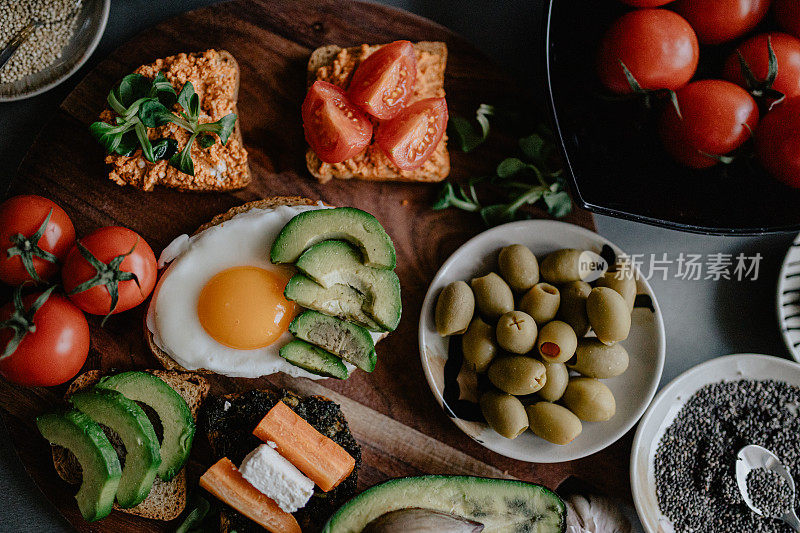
788 299
633 390
92 19
666 406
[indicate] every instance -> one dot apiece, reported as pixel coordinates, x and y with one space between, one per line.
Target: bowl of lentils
683 463
61 35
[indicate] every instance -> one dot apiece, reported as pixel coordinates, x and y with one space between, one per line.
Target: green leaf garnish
465 134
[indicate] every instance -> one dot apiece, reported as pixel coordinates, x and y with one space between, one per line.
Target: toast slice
229 422
167 499
215 77
267 203
336 65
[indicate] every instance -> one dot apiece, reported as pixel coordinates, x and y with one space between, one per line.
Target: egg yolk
244 307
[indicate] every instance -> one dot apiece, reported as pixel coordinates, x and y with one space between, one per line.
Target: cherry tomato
21 218
384 82
409 139
778 142
756 52
657 46
90 283
54 346
335 129
647 3
718 21
716 116
788 14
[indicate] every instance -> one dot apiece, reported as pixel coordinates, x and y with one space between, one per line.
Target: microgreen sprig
141 104
526 180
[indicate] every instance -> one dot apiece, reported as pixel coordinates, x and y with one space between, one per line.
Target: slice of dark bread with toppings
167 499
229 422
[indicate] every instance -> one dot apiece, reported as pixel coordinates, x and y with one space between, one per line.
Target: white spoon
752 457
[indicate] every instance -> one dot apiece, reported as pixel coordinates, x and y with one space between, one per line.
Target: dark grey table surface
704 318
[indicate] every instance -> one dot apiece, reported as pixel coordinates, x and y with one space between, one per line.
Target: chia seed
769 492
695 463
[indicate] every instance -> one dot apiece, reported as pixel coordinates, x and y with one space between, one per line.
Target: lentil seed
695 462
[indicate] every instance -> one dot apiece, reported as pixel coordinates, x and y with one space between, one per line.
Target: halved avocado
335 262
353 225
99 462
501 505
172 410
349 341
341 301
124 416
313 359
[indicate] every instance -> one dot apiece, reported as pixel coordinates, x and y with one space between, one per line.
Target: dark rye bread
372 164
229 421
167 499
267 203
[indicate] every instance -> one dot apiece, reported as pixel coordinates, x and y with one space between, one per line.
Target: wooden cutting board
391 411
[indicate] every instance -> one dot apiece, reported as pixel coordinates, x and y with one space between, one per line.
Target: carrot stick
224 481
314 454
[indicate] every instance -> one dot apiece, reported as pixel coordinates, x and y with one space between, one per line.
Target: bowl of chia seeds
66 35
683 463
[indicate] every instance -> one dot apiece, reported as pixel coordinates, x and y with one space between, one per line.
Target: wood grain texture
272 40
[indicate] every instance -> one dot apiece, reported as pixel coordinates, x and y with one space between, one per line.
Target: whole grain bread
267 203
336 65
167 499
127 170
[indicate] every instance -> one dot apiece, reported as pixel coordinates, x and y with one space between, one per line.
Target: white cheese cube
275 476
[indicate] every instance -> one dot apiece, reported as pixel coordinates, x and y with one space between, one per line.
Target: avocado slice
353 225
349 341
129 421
99 462
335 262
501 505
172 410
313 359
341 301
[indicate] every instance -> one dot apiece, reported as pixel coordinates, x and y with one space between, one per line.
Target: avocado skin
175 415
129 421
81 435
355 226
479 499
351 342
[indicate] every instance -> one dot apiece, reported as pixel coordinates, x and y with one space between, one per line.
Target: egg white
244 240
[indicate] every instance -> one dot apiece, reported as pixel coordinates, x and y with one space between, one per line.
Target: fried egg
219 305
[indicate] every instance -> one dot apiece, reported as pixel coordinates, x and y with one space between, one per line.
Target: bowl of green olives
541 342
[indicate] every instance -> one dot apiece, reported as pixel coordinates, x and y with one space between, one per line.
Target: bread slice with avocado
336 65
357 227
166 499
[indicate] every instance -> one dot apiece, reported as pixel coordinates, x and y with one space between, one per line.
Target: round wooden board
391 411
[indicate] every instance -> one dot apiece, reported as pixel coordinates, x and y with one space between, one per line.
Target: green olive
594 359
556 379
591 400
608 315
517 374
573 306
556 342
454 309
519 267
504 413
541 302
621 281
516 332
553 423
493 296
562 266
478 345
